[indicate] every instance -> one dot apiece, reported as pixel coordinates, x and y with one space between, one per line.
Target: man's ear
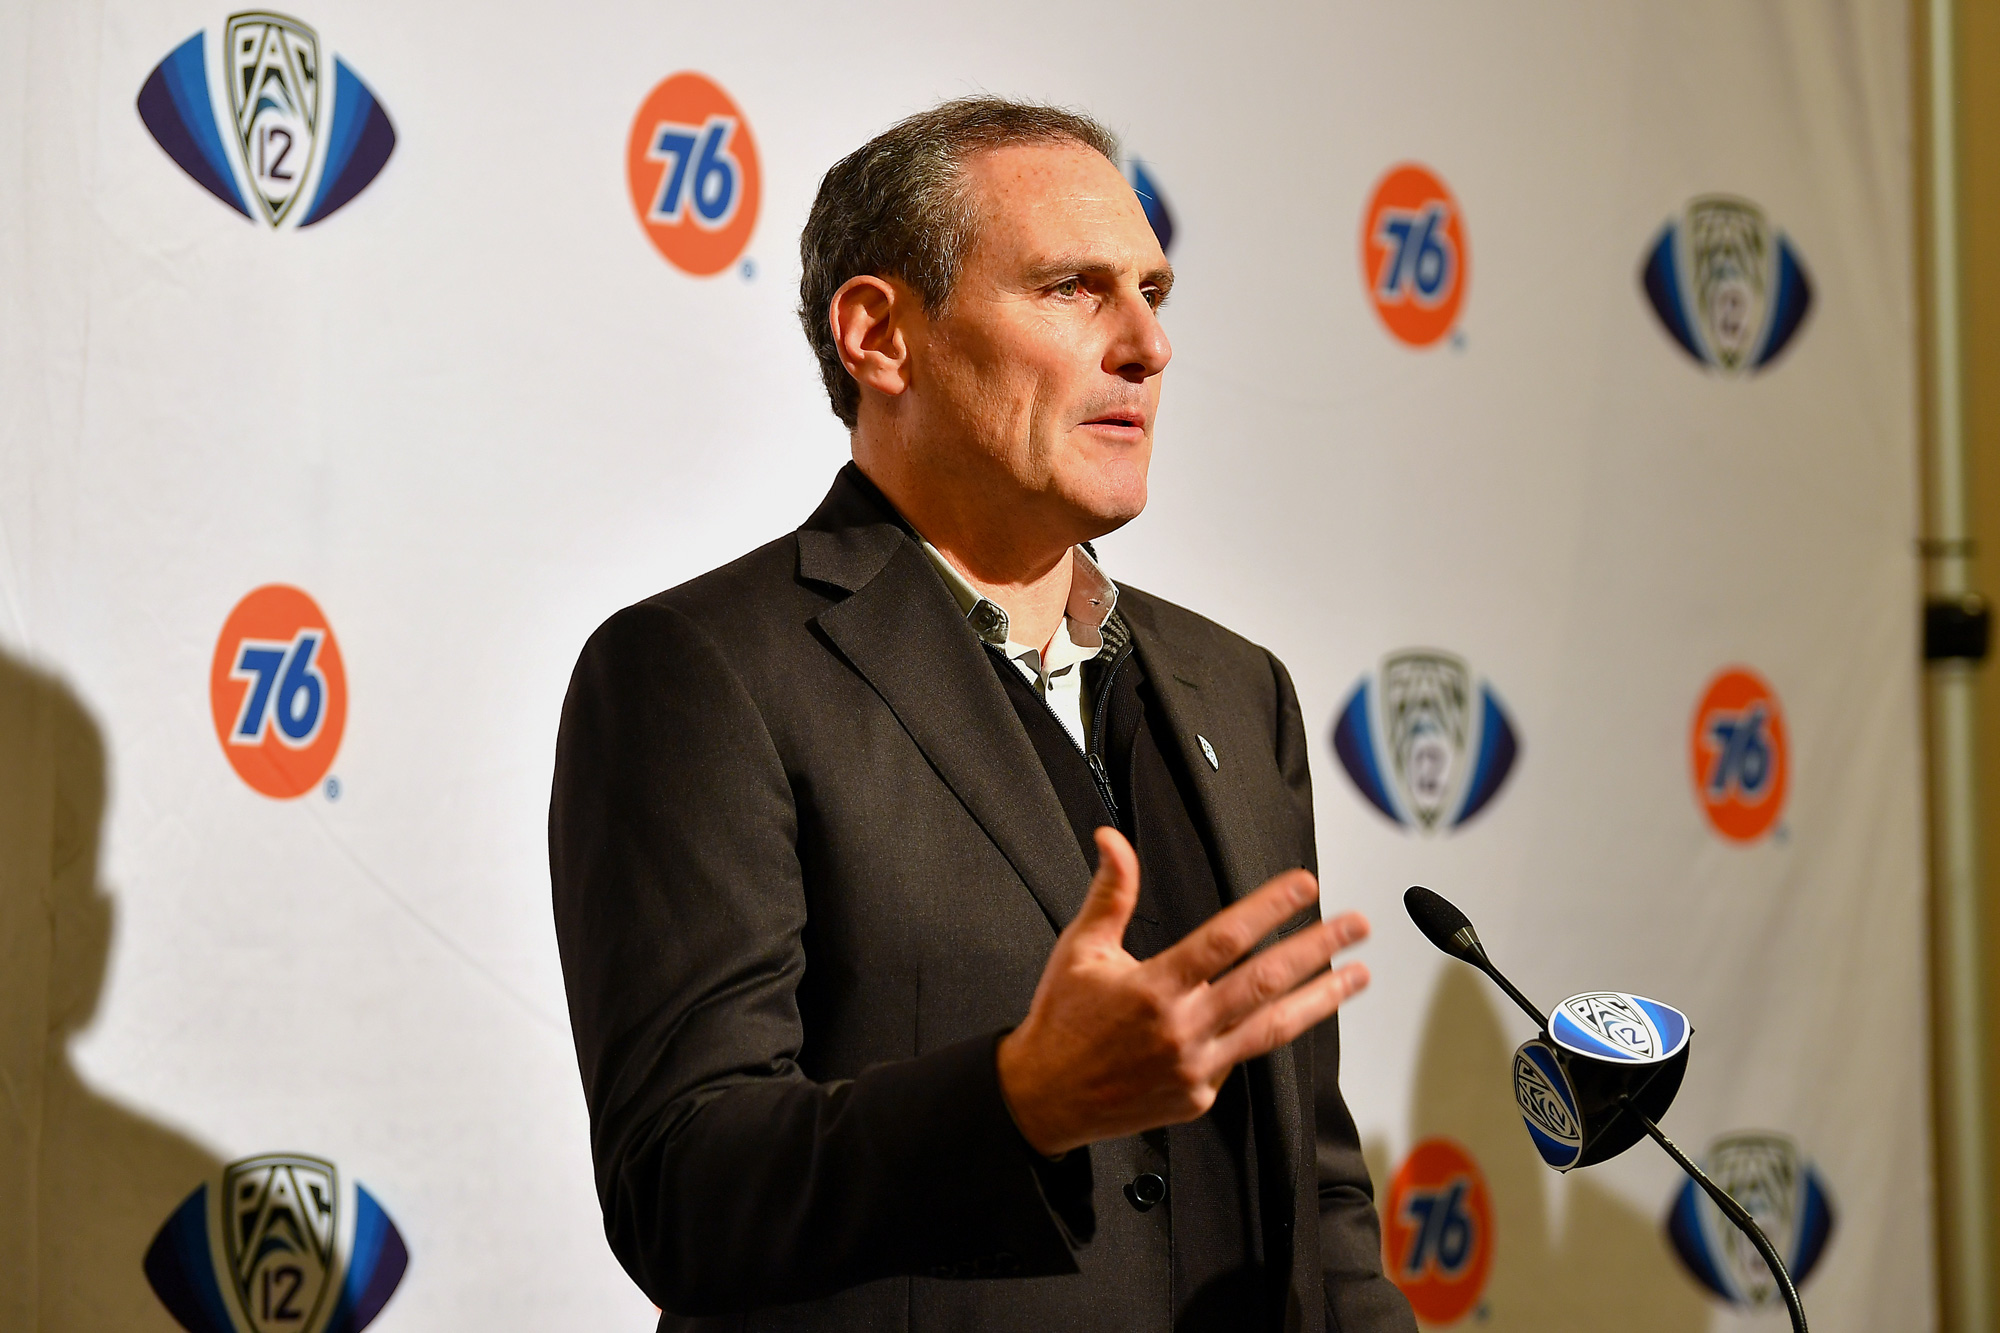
868 316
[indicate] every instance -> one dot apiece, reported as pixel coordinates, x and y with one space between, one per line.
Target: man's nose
1140 350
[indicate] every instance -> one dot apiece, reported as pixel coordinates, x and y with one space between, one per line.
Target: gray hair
898 207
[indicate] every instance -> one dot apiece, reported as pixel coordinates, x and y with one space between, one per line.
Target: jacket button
1146 1191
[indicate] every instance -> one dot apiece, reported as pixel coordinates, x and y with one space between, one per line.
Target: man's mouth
1119 420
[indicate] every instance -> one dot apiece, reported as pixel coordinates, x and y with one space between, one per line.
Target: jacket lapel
1239 811
902 630
1196 707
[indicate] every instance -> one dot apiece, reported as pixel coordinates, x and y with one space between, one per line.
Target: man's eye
1069 287
1154 296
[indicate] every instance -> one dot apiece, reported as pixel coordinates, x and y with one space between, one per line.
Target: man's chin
1108 508
1103 490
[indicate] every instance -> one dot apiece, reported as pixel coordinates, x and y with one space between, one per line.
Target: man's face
1043 373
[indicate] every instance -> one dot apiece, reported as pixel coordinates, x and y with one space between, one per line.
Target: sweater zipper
1098 776
1094 754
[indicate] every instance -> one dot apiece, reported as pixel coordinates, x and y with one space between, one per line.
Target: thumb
1114 892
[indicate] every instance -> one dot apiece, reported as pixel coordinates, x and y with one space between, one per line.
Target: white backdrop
475 411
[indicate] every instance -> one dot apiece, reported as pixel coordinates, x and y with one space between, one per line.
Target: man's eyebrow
1054 270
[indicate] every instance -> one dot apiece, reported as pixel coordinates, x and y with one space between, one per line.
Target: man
866 1044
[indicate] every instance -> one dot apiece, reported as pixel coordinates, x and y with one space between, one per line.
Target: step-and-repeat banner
1543 396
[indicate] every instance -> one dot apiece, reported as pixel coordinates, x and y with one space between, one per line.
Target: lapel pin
1209 750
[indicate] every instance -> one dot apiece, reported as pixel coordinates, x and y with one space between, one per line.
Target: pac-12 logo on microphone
1425 741
1726 284
1612 1025
300 141
1437 1231
1779 1187
691 164
1740 758
277 1242
1413 255
278 691
1548 1103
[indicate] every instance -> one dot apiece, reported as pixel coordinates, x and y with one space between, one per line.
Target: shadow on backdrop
85 1181
1609 1267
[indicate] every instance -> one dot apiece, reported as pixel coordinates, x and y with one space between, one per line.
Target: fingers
1291 1016
1283 966
1114 891
1235 930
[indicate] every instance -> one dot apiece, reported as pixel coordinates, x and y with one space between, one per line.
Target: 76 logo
1443 1232
703 178
287 690
1421 258
1742 747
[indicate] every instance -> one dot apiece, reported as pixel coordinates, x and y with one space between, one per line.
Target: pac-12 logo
1728 286
299 144
1779 1187
1153 203
1437 1231
278 1242
1424 741
278 691
692 165
1740 757
1413 255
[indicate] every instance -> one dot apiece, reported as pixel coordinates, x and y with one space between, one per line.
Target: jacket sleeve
1359 1299
729 1179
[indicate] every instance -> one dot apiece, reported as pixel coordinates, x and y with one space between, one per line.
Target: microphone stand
1453 934
1732 1210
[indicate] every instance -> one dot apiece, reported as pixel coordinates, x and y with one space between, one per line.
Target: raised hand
1112 1046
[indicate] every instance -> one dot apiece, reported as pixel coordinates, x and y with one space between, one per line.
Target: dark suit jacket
807 869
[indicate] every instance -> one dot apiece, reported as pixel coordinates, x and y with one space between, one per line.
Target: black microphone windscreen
1441 922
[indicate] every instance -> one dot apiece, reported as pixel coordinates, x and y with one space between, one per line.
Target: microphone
1447 927
1598 1076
